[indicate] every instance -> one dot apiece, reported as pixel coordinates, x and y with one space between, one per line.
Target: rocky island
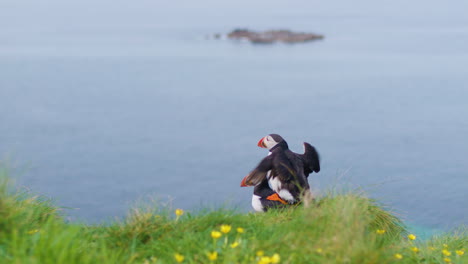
272 36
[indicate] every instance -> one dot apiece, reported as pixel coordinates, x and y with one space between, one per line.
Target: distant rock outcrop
272 36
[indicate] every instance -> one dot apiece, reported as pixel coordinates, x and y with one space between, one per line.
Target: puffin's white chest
275 185
256 203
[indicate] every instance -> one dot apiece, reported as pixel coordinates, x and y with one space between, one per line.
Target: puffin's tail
311 158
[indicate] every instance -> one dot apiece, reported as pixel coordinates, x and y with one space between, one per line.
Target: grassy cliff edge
344 228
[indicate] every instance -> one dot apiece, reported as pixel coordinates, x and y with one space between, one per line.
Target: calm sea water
103 104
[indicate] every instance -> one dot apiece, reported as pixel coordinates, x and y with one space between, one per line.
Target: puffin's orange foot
276 197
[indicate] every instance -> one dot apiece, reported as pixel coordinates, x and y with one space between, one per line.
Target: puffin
281 177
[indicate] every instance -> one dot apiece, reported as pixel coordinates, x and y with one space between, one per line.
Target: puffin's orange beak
260 143
243 184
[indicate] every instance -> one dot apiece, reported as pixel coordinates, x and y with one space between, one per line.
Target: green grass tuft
336 228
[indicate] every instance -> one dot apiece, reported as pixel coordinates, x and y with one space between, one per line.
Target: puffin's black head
271 141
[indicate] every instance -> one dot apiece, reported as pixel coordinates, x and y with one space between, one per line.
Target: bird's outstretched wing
259 173
284 166
311 159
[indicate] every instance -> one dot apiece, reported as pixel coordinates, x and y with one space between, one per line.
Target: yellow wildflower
260 253
415 249
448 260
179 258
460 252
445 245
411 237
264 260
179 212
398 256
380 231
319 250
240 230
234 245
213 255
216 234
446 252
34 231
225 228
275 258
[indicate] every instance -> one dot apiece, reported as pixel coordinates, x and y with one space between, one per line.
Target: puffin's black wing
259 173
311 159
283 165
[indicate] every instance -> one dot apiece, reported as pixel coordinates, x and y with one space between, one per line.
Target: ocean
106 105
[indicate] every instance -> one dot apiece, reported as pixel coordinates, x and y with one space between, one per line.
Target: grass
339 228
